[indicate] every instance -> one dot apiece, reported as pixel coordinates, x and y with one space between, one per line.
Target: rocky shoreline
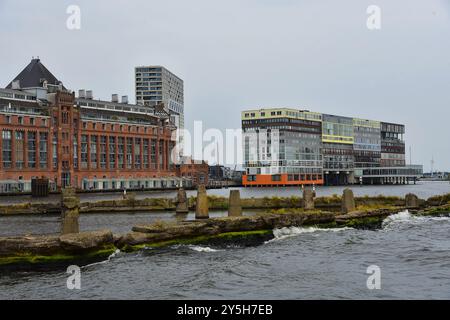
86 247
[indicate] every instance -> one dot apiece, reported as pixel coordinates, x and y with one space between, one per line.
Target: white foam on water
401 216
112 255
406 216
202 249
288 232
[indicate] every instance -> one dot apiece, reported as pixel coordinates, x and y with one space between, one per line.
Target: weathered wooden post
182 202
411 201
348 201
201 209
70 211
234 204
308 199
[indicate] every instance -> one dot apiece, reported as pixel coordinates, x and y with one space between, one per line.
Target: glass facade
7 148
43 149
31 136
316 147
20 149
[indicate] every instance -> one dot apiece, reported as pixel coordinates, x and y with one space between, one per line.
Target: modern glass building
156 85
285 146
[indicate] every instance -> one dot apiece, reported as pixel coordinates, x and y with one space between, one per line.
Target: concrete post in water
129 198
234 204
202 210
70 211
308 199
182 202
348 201
411 201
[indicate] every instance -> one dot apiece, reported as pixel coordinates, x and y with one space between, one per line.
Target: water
422 189
301 263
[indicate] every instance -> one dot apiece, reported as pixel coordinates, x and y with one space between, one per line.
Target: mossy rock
365 223
36 261
436 211
241 238
439 200
217 202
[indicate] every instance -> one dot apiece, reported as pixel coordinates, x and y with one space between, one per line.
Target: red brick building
82 142
194 171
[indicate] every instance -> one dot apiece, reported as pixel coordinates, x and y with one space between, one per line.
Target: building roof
33 75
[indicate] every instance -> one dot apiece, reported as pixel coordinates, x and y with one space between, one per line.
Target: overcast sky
239 54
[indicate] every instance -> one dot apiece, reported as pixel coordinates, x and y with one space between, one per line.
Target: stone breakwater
200 231
130 204
86 247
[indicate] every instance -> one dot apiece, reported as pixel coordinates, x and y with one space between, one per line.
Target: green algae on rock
54 249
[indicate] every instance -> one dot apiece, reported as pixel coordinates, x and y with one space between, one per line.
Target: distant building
156 85
193 172
81 142
219 172
437 176
294 147
236 176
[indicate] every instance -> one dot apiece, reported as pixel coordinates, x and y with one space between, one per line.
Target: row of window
122 128
131 153
291 177
24 149
25 120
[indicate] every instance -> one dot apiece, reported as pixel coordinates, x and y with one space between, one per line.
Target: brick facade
89 144
197 172
80 152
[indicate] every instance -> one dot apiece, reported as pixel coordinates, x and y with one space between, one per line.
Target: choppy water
413 254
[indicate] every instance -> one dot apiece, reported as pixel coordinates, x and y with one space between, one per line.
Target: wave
112 255
288 232
398 217
202 249
406 216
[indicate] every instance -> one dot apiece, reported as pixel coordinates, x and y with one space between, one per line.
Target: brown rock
10 246
86 240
